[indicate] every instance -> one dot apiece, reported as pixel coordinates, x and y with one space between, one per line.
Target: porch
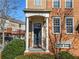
37 31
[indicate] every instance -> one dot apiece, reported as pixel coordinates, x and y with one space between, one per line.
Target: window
59 45
67 45
6 24
56 25
63 44
68 3
37 3
69 25
56 3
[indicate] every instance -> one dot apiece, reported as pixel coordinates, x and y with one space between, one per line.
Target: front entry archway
40 40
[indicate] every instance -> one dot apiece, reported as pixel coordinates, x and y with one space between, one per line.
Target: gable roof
13 20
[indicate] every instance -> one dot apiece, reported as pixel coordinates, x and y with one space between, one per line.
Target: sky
19 14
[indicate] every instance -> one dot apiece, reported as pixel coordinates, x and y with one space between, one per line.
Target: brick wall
62 12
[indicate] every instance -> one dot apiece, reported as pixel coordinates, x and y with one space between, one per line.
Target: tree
59 37
6 7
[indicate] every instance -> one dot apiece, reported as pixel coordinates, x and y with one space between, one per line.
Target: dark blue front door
37 35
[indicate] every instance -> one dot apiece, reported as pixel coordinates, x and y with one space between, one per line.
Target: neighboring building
15 28
50 20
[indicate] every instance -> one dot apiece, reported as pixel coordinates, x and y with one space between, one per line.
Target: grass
38 56
0 54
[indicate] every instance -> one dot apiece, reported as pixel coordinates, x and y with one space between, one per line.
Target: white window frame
72 4
39 5
53 4
73 24
53 25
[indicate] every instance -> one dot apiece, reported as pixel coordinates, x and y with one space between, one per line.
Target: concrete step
30 52
36 50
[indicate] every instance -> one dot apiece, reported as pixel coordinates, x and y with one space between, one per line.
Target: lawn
35 57
0 55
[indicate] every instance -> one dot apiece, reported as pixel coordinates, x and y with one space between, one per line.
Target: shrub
0 41
34 56
14 48
65 55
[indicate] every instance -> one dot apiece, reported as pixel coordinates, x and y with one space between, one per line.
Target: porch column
27 33
47 41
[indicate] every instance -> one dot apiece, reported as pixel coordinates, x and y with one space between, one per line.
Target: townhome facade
13 28
52 24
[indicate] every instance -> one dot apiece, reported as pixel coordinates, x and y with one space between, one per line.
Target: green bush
65 55
34 56
14 48
0 41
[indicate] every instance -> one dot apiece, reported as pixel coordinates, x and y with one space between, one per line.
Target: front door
37 35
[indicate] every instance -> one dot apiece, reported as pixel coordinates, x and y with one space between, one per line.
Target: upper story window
56 25
68 3
69 25
56 3
37 3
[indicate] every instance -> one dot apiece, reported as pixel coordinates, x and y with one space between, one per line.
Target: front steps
36 51
28 53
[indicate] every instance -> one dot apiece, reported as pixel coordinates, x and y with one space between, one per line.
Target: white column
47 40
26 3
42 35
27 33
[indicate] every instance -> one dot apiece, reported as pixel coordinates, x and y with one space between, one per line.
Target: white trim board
37 14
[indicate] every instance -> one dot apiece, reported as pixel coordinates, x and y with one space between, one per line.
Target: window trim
36 5
53 4
72 4
66 25
53 25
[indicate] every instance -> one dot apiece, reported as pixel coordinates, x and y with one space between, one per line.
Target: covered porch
37 39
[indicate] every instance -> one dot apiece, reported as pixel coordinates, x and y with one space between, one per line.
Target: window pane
56 25
68 3
68 0
59 45
37 2
67 45
56 3
69 25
